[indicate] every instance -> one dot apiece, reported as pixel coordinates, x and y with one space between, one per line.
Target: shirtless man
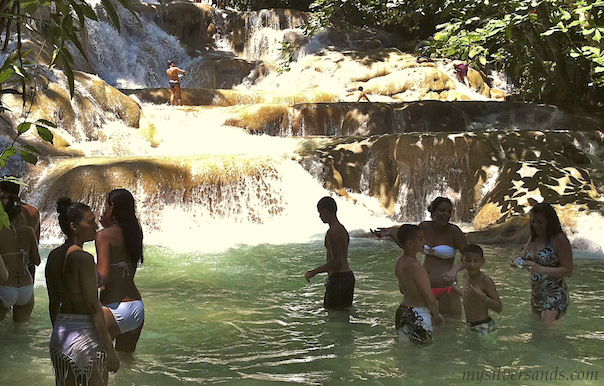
339 287
18 247
173 72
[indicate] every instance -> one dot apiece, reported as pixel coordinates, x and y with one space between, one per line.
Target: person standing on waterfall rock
174 74
339 288
362 95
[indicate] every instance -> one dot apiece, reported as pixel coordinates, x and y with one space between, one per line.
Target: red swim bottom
439 291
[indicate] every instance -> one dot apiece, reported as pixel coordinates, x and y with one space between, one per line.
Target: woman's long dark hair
125 216
553 226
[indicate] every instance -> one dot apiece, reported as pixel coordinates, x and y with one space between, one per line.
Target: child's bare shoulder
485 279
408 265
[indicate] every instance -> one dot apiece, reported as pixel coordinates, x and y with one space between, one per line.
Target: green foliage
67 19
551 48
27 152
288 52
12 66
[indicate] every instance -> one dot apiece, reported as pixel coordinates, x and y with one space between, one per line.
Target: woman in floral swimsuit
548 256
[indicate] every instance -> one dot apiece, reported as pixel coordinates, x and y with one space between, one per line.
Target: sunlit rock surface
491 176
424 133
219 186
78 118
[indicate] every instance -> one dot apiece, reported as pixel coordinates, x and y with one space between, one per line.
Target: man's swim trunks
174 83
415 322
483 326
339 289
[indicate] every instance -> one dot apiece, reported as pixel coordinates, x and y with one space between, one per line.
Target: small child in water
419 307
479 292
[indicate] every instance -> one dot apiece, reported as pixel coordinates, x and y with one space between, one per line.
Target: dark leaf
45 122
45 134
28 157
108 5
23 127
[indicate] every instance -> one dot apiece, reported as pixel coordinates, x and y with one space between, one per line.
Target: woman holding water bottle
548 256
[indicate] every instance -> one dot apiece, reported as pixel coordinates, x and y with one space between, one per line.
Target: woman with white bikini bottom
119 249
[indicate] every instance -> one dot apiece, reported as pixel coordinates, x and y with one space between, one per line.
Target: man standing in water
174 72
339 287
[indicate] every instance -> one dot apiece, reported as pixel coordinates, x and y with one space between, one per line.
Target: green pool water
246 316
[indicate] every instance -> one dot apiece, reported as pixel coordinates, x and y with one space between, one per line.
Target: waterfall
217 200
196 170
135 58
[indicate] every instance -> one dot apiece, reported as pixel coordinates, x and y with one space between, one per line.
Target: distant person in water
119 248
419 307
362 95
174 72
479 292
548 256
18 247
461 70
339 287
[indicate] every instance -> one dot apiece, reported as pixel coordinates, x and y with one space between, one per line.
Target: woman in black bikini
173 72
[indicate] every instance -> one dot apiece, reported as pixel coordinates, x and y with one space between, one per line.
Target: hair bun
62 204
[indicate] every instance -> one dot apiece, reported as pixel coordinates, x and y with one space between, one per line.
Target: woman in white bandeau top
443 240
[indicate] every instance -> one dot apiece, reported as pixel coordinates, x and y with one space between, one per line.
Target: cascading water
135 58
230 223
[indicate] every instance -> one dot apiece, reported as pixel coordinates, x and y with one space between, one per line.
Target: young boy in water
419 307
479 292
339 288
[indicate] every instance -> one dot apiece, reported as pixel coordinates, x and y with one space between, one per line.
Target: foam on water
182 228
202 131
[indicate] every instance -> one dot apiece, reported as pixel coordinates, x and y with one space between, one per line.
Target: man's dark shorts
339 290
